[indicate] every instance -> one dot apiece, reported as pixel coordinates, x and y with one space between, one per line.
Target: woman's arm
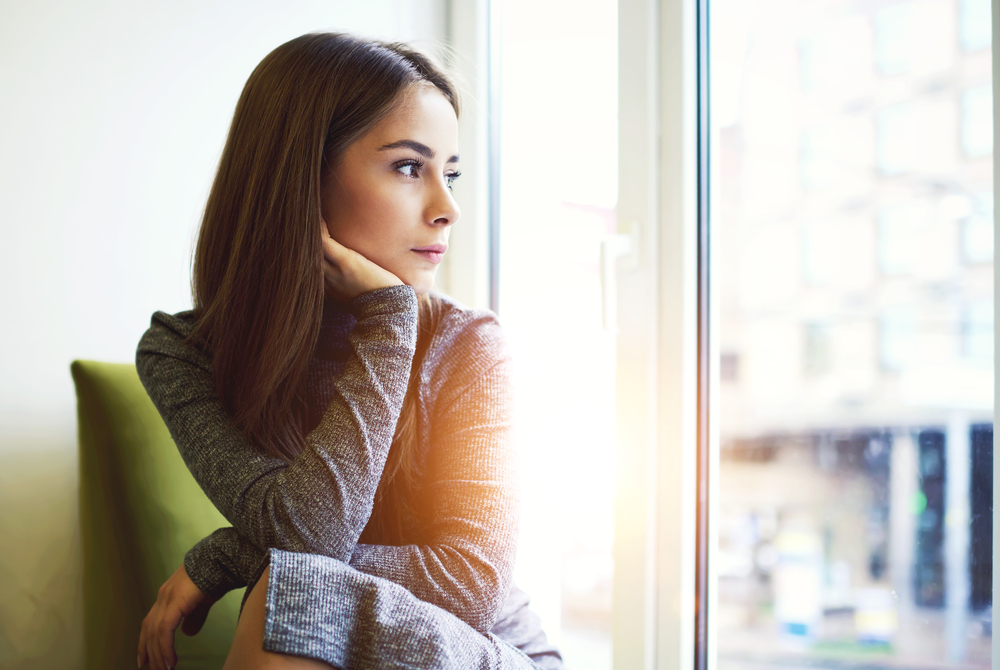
464 562
320 502
466 553
224 561
352 620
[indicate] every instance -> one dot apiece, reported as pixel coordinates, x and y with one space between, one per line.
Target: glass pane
559 97
853 268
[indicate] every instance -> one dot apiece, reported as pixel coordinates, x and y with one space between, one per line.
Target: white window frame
468 273
657 382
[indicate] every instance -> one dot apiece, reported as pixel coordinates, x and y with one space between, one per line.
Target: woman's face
390 198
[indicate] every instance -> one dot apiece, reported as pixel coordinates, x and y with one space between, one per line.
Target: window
977 331
977 121
977 230
559 163
896 334
974 24
844 371
855 443
892 39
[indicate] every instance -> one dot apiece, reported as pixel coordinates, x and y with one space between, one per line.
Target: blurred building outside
853 266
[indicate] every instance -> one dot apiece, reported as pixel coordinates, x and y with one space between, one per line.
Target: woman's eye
408 169
452 177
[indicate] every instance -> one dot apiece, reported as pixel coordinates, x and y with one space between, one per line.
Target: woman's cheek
358 224
376 218
387 205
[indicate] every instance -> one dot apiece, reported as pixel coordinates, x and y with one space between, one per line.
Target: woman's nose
444 211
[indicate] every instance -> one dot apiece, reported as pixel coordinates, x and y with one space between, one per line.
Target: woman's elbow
484 618
487 599
284 520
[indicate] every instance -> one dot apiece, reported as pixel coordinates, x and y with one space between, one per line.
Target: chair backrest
140 511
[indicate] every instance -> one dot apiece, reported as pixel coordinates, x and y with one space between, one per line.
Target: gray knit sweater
444 602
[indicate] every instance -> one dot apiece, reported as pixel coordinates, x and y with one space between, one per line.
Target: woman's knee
247 651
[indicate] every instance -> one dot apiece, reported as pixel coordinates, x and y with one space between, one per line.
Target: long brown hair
257 279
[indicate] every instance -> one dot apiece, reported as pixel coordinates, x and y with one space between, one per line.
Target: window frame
470 272
656 515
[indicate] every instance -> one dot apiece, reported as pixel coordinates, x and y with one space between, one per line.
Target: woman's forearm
465 556
321 501
329 611
224 561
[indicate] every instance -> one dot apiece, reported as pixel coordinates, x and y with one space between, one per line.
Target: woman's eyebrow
419 147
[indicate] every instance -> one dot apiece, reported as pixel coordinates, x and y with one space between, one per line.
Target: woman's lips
434 252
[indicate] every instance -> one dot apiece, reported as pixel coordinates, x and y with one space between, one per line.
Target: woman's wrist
399 299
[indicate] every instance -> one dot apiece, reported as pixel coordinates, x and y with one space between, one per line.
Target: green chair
140 511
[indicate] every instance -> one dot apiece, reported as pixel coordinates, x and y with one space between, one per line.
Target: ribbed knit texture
427 602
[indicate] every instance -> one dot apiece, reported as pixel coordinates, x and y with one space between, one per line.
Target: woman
313 347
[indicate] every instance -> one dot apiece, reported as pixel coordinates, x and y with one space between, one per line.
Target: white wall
112 117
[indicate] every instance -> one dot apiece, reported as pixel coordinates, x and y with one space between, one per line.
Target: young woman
353 427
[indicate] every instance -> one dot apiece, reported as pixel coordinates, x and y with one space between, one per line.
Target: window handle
618 250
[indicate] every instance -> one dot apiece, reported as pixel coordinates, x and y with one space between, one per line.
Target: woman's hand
177 599
347 274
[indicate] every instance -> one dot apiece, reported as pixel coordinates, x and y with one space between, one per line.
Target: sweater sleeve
224 561
326 610
321 501
465 562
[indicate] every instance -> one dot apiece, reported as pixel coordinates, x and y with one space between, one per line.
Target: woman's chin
421 283
421 288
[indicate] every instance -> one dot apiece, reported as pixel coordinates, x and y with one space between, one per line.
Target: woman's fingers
152 646
142 658
178 598
149 649
169 620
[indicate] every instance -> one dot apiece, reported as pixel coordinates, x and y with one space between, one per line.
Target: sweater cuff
388 300
208 575
222 562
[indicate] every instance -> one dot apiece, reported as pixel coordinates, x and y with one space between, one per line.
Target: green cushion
140 511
